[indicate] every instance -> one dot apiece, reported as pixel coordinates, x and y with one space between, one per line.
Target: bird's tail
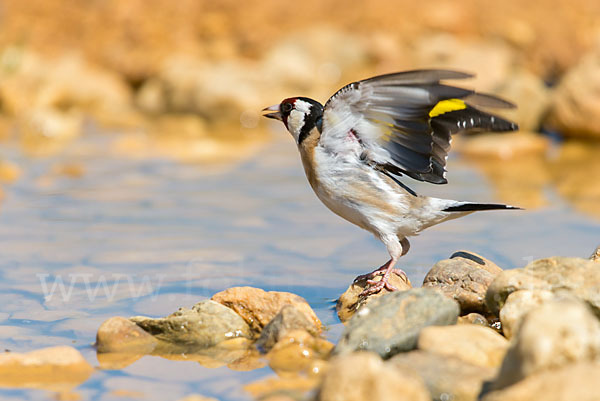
472 207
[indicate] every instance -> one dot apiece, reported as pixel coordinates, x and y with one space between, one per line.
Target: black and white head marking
300 115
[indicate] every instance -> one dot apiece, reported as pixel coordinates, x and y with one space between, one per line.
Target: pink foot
376 286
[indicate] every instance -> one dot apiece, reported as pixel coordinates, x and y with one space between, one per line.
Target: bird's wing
404 121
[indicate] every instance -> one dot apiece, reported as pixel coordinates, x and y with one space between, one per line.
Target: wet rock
42 367
349 302
551 336
476 345
119 334
473 318
364 376
575 276
572 382
465 278
575 104
206 324
517 305
297 351
236 353
446 378
258 307
392 323
504 146
289 318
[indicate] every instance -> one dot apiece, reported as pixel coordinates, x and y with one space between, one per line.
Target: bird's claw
376 287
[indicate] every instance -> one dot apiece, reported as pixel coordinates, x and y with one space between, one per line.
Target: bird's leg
397 248
380 271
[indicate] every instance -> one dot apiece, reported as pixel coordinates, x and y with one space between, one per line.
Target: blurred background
131 143
187 79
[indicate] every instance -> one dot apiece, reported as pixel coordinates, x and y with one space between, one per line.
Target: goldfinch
357 148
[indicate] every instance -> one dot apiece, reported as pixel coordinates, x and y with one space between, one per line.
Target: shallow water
146 236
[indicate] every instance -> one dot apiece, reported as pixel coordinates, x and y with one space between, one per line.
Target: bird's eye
286 107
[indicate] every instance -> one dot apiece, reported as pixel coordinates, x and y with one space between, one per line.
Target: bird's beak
276 115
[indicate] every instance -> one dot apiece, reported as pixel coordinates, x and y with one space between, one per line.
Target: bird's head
299 115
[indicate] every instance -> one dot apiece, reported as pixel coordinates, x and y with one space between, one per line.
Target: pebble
119 334
258 307
473 318
575 103
289 318
476 345
350 302
43 367
577 381
575 276
517 305
446 378
392 323
595 257
363 376
465 278
553 335
204 325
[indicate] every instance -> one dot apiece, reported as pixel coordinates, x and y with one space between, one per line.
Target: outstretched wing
404 121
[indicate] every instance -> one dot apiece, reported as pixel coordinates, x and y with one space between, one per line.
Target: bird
360 146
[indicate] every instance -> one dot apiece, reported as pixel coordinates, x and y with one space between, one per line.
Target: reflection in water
576 175
522 171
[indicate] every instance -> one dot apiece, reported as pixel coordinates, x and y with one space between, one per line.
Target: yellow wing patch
446 106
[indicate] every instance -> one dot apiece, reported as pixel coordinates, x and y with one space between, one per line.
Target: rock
517 305
45 131
575 104
530 94
595 257
492 62
446 378
465 278
364 376
349 302
572 382
575 276
118 334
258 307
296 352
206 324
476 345
68 84
473 318
49 366
551 336
392 323
289 318
504 146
